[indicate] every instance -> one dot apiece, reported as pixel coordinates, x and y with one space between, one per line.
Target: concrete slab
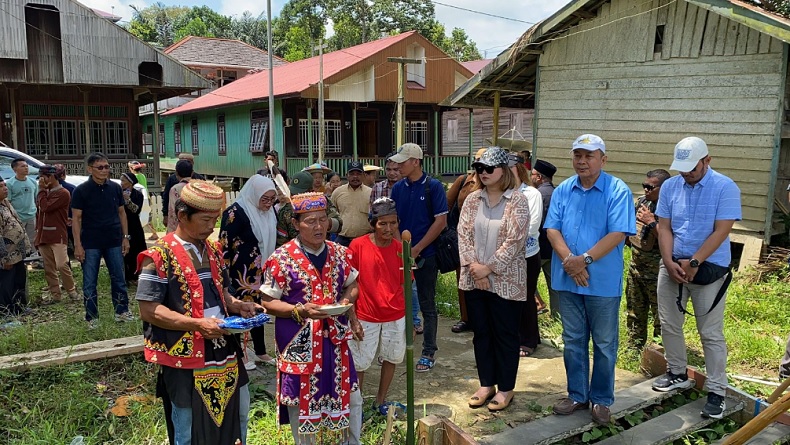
670 426
773 433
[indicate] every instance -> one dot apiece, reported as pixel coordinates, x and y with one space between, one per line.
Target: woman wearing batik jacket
491 239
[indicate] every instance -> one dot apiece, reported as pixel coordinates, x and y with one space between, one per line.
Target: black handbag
448 258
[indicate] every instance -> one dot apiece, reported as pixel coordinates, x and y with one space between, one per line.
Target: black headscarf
130 177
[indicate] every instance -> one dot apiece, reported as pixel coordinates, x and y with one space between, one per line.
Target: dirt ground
445 389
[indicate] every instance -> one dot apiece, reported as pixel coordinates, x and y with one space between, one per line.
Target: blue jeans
415 304
90 275
583 317
426 277
182 419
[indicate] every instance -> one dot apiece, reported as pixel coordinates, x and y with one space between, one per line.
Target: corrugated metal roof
220 53
290 79
476 65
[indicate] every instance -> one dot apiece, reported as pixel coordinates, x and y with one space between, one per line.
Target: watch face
588 259
694 263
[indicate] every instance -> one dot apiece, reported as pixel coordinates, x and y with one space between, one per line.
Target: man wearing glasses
640 290
100 231
696 211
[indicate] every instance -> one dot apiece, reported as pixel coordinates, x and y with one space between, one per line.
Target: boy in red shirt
381 307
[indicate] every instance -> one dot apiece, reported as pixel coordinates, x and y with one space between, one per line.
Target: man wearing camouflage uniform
302 182
645 260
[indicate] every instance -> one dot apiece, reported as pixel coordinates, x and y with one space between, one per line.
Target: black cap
47 170
355 165
545 168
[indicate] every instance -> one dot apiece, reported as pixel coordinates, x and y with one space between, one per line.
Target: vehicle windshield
7 172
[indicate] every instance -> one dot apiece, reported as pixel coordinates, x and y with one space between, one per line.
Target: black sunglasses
101 167
484 168
649 187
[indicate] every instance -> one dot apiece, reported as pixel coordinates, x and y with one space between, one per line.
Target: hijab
264 223
130 177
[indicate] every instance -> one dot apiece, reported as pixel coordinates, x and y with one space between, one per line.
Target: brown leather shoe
601 414
567 406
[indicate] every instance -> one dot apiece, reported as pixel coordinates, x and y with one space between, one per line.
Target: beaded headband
308 202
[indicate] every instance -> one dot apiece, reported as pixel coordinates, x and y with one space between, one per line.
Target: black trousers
13 298
495 324
258 340
528 330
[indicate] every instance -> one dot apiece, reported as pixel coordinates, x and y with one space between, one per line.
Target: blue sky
492 35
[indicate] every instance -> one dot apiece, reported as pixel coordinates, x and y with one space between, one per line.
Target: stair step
773 433
553 428
670 426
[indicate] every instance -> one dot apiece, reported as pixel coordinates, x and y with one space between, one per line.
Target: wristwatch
129 237
694 262
587 258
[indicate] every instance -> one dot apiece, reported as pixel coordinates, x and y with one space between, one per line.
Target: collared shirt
353 205
695 209
412 206
13 238
584 217
22 195
101 224
488 221
381 189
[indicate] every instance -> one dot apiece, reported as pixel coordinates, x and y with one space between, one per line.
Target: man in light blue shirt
696 212
590 215
22 191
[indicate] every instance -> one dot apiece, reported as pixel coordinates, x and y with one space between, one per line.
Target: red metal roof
476 65
290 79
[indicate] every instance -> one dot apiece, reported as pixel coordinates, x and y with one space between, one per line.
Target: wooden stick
388 431
778 391
759 423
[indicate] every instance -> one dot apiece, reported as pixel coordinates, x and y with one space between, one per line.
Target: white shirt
535 200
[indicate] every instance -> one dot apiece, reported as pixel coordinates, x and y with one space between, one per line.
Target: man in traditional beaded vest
183 298
317 389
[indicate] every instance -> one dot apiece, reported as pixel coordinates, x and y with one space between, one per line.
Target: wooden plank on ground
670 426
550 429
429 431
750 256
70 354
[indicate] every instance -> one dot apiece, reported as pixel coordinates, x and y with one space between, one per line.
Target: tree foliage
302 24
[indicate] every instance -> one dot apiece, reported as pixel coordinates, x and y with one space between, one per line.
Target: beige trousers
56 259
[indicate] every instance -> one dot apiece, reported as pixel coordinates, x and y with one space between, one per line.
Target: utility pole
321 136
400 132
271 79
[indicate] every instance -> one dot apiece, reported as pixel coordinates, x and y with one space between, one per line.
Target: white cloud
120 8
494 35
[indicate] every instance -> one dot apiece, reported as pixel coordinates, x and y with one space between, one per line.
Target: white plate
334 309
236 331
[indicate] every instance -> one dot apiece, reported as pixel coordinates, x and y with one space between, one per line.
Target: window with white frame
222 143
333 140
117 133
416 132
415 72
177 136
37 137
195 138
259 131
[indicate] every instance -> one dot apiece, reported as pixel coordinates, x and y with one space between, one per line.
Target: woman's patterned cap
308 202
493 157
203 196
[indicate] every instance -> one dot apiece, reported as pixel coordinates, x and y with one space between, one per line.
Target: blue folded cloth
244 324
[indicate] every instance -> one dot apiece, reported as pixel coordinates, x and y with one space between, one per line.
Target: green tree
299 28
460 47
194 27
249 29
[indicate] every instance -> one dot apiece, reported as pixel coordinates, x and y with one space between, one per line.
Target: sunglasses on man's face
648 187
101 167
484 168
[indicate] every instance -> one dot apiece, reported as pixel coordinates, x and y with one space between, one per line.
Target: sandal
495 406
266 361
461 326
477 402
418 329
384 408
425 364
525 351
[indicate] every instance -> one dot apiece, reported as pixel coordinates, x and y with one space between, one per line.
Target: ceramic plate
335 309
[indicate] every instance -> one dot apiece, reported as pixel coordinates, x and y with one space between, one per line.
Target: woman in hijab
133 204
248 234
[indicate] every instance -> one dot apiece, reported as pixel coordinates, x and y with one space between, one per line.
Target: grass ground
56 404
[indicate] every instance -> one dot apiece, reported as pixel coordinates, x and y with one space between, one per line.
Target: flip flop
418 329
525 351
427 363
384 408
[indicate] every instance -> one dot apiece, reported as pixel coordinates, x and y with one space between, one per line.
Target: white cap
589 142
688 152
407 151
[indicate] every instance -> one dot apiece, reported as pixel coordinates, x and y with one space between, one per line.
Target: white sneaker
93 324
250 365
125 317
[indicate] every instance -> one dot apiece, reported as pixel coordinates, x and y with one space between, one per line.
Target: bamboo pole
763 419
407 263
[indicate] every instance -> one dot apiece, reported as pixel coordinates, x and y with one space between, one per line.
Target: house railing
449 166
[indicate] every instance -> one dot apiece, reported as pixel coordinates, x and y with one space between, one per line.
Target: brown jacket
52 218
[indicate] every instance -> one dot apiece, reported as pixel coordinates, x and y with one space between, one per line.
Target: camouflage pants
641 298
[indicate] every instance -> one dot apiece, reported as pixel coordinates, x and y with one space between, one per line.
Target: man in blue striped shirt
696 212
589 217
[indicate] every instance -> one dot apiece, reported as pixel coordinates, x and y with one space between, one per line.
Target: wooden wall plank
709 37
669 31
753 41
732 38
699 32
765 43
677 32
777 45
743 38
688 30
651 30
721 36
